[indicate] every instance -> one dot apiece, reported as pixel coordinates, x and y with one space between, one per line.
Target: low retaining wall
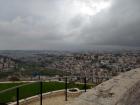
121 90
26 101
37 97
74 94
132 96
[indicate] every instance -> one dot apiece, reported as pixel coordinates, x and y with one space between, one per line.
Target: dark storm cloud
119 26
56 24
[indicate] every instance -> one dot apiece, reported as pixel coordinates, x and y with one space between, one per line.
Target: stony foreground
121 90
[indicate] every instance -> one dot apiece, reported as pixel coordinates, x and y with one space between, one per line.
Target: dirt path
54 100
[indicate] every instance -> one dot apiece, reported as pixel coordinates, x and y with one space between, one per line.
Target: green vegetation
4 75
42 71
33 89
4 86
28 69
31 68
52 72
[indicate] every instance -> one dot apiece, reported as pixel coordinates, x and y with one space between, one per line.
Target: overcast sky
69 24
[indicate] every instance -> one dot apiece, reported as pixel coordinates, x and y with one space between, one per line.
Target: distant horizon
80 49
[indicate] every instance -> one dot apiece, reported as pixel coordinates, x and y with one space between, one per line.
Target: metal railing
16 91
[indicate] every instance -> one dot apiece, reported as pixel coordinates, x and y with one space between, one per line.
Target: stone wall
121 90
132 96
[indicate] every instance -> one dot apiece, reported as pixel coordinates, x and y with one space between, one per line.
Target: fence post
85 84
66 89
17 96
41 93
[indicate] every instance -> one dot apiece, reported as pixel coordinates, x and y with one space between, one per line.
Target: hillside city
96 66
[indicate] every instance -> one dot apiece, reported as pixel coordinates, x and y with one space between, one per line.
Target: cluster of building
96 67
6 64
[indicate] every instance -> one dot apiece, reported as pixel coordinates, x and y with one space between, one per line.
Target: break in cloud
69 24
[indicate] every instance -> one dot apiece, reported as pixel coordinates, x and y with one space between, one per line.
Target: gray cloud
58 24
